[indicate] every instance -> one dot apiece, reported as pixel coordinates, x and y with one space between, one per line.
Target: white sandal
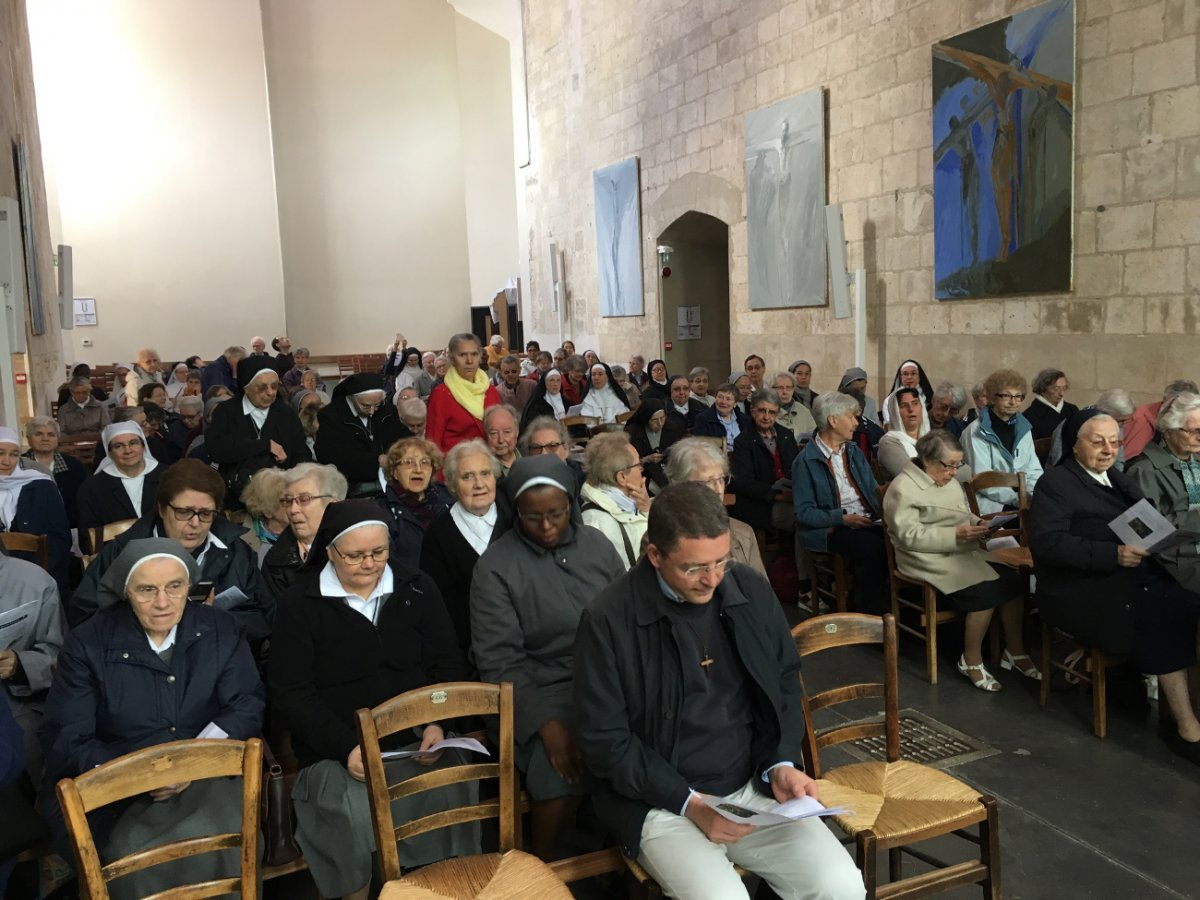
1009 662
985 683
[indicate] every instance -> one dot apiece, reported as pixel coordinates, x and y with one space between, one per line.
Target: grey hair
261 495
234 350
685 509
935 445
37 422
639 358
454 458
618 372
1045 378
496 340
79 381
500 407
463 338
952 392
688 454
1176 410
833 403
412 407
697 370
978 390
1180 386
301 351
192 402
765 395
575 363
607 454
328 477
510 360
726 388
1116 402
542 423
787 376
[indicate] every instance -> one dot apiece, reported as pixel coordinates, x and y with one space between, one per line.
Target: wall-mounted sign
687 323
85 311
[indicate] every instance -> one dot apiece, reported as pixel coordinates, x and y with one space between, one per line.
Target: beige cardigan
921 518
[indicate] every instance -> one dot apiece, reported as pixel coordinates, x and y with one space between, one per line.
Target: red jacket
447 423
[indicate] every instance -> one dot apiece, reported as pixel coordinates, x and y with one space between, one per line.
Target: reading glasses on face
1017 398
302 499
147 593
186 513
716 568
128 445
423 463
535 449
717 481
537 519
358 557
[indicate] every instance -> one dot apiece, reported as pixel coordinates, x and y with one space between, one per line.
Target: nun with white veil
601 399
31 504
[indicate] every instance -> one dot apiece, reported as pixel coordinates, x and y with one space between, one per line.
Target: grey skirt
333 822
205 808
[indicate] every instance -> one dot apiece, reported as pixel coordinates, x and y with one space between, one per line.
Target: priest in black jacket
255 431
686 688
357 427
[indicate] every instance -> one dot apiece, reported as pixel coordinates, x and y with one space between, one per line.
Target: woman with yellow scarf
455 408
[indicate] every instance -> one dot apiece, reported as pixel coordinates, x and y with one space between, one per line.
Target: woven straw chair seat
899 801
490 876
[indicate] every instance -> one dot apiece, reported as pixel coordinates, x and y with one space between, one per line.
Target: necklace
706 661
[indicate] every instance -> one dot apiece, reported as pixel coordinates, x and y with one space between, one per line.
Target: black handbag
278 815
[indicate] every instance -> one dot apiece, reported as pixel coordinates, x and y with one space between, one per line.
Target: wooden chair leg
931 635
989 849
895 864
866 862
994 638
1047 640
1099 694
840 586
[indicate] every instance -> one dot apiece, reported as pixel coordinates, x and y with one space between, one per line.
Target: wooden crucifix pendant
706 663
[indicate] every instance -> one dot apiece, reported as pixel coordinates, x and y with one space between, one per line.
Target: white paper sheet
1144 527
17 624
459 743
782 813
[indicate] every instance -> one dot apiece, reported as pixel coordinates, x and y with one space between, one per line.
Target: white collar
168 641
258 415
331 586
1058 408
477 530
685 409
1101 477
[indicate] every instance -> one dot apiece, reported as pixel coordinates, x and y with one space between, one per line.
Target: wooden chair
1014 480
518 876
93 539
580 428
1091 669
1041 449
81 445
157 767
896 803
830 579
37 544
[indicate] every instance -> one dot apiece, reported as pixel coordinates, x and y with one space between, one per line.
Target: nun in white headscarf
31 504
176 382
601 399
125 482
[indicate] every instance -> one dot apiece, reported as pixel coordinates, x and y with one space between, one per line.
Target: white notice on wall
688 323
85 311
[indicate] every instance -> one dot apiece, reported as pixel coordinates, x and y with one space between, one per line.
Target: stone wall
671 82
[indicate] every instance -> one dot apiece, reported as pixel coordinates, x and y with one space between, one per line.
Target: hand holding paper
800 808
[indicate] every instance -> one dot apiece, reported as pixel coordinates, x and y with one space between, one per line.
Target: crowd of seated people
436 521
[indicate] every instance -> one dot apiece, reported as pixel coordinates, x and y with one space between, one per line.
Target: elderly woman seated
1000 440
1168 472
653 433
355 428
27 661
187 510
1049 409
909 423
762 466
946 408
457 537
358 629
939 541
266 517
793 414
694 459
108 699
1116 403
307 490
614 499
1087 579
833 491
414 497
31 504
184 427
82 412
530 588
69 473
723 418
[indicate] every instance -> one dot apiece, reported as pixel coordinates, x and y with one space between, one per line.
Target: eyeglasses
1016 398
423 463
148 593
535 449
716 568
716 482
953 467
538 519
287 500
358 557
186 513
128 445
1193 433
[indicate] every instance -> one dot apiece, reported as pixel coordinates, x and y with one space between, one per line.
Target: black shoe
1189 750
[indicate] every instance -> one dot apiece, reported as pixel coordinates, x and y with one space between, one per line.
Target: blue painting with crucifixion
1003 104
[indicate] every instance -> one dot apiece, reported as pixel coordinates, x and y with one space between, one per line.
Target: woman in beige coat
939 541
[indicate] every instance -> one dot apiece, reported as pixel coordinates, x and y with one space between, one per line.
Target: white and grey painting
619 238
785 202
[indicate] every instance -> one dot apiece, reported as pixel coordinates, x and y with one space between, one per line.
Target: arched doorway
698 283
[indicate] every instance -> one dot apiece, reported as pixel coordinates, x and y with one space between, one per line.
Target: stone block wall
670 81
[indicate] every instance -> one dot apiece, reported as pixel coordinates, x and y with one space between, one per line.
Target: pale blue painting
619 238
785 202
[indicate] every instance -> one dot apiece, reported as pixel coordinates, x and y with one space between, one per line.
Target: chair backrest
438 702
845 630
624 417
1041 448
37 544
148 770
93 539
1014 480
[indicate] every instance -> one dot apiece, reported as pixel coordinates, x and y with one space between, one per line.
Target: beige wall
672 85
154 118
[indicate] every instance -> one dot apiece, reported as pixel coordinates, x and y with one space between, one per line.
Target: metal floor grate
922 740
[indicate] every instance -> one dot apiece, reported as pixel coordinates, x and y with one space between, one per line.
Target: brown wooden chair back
1014 480
81 445
1041 449
846 630
92 540
148 770
434 703
37 544
624 417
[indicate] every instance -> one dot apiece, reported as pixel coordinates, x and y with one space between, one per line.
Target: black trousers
864 550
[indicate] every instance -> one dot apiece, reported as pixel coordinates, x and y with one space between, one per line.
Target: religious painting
1003 104
619 238
785 202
